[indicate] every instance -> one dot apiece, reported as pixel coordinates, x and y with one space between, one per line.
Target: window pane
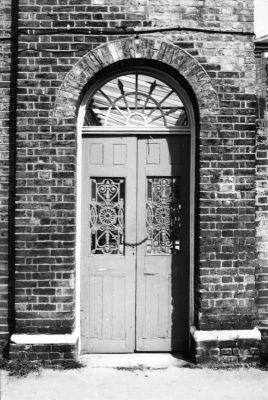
135 100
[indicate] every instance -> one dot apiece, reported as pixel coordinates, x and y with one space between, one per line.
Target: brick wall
229 352
46 155
261 83
227 163
49 354
226 15
5 70
262 196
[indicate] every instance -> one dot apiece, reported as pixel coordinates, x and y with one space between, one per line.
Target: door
107 265
162 317
135 244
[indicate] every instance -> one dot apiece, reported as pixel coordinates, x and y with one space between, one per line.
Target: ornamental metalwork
163 211
136 100
107 215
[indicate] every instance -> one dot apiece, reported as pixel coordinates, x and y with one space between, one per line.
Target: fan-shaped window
135 100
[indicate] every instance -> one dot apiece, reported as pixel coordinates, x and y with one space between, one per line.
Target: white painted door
135 244
107 265
162 297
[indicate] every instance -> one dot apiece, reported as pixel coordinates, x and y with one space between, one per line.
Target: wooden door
150 278
162 316
107 265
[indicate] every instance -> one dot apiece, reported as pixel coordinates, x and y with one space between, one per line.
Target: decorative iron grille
163 215
107 215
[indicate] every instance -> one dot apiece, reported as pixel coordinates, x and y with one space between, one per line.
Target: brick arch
147 48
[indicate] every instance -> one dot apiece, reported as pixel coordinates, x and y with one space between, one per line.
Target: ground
137 377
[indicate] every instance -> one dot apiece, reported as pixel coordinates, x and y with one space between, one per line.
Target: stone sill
226 335
71 338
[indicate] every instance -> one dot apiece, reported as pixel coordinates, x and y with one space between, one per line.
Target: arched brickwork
147 48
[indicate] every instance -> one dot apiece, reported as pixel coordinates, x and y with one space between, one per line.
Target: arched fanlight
135 100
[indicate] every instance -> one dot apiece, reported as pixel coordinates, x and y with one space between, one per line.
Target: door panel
107 265
162 260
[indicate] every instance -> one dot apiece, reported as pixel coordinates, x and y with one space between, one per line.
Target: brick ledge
70 338
224 335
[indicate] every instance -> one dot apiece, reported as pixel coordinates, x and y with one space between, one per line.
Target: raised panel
119 307
119 154
157 306
95 306
165 307
150 329
107 307
96 153
175 154
152 153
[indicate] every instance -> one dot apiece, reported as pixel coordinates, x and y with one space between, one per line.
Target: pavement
137 377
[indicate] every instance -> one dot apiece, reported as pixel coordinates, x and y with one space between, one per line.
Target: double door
135 244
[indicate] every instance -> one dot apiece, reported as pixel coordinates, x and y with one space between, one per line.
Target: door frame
104 131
